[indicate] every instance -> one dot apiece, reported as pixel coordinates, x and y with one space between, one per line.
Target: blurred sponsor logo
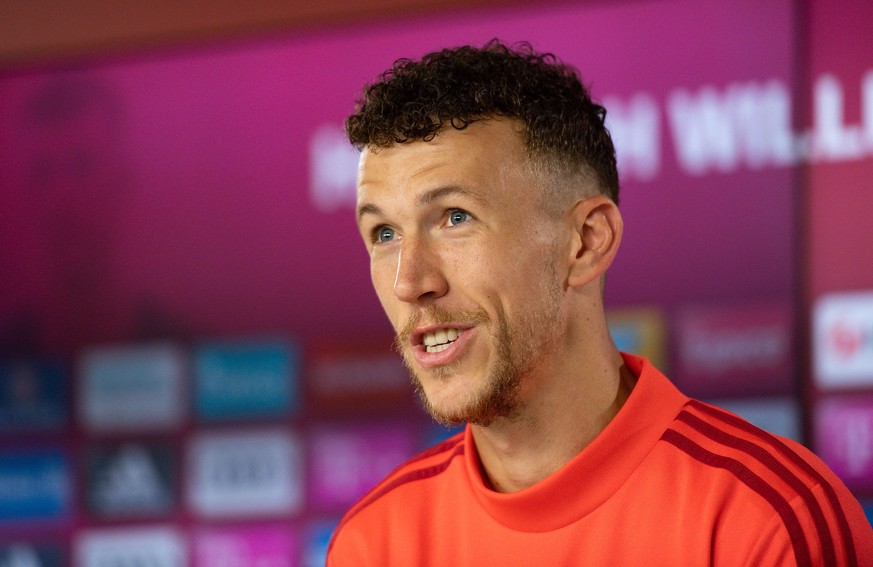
640 332
129 547
251 546
130 480
360 379
34 485
246 379
317 540
348 461
437 433
333 169
844 438
245 474
33 395
843 340
28 555
132 387
735 350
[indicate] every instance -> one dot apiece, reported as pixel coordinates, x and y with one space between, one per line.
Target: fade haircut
563 129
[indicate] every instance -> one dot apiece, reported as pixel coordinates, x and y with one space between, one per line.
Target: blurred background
194 369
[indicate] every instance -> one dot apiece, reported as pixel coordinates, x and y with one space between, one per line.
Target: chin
457 408
446 408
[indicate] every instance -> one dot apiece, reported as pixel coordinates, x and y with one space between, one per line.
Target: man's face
467 266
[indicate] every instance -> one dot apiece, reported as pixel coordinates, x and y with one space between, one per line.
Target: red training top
670 481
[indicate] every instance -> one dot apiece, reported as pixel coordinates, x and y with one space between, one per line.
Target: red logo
845 339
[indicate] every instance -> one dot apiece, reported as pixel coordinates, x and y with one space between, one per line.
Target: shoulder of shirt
783 474
427 464
718 438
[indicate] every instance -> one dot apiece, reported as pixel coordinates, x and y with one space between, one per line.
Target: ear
597 228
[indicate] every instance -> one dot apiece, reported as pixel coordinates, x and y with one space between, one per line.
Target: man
487 199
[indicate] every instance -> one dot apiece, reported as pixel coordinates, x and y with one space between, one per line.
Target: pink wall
205 193
201 210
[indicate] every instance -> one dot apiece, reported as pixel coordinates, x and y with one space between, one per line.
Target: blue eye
384 234
458 216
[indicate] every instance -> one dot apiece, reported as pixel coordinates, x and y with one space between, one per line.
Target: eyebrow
448 191
426 198
368 209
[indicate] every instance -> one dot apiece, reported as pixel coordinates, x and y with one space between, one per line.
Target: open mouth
438 341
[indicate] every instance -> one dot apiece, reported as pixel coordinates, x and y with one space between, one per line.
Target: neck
564 409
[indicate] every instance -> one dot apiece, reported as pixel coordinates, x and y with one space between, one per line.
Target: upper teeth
439 340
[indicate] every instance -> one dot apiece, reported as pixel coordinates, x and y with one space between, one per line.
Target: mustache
436 315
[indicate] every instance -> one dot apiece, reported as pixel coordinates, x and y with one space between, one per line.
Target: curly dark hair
414 100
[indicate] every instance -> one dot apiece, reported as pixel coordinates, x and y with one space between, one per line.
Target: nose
420 276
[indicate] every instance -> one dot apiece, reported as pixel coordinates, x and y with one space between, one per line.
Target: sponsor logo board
33 395
365 378
31 555
155 546
437 433
250 546
735 350
132 388
347 461
317 539
34 485
130 480
246 379
333 166
843 340
843 434
245 473
640 332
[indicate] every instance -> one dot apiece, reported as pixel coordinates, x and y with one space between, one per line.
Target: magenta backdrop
840 234
212 220
209 192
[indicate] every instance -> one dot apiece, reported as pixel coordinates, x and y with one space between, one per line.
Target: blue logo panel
437 433
34 485
626 337
246 379
33 395
26 555
315 547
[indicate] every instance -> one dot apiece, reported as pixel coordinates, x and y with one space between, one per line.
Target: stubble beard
517 349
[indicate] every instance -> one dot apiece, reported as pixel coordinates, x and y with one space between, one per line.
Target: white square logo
153 546
843 340
245 474
132 388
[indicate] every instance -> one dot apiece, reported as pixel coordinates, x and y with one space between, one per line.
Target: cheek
524 273
382 274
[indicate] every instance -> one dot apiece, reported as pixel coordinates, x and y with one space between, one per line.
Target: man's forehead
491 136
407 168
401 164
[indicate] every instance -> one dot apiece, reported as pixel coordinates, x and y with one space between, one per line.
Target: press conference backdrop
195 369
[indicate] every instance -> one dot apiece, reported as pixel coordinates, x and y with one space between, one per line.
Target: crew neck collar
592 476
